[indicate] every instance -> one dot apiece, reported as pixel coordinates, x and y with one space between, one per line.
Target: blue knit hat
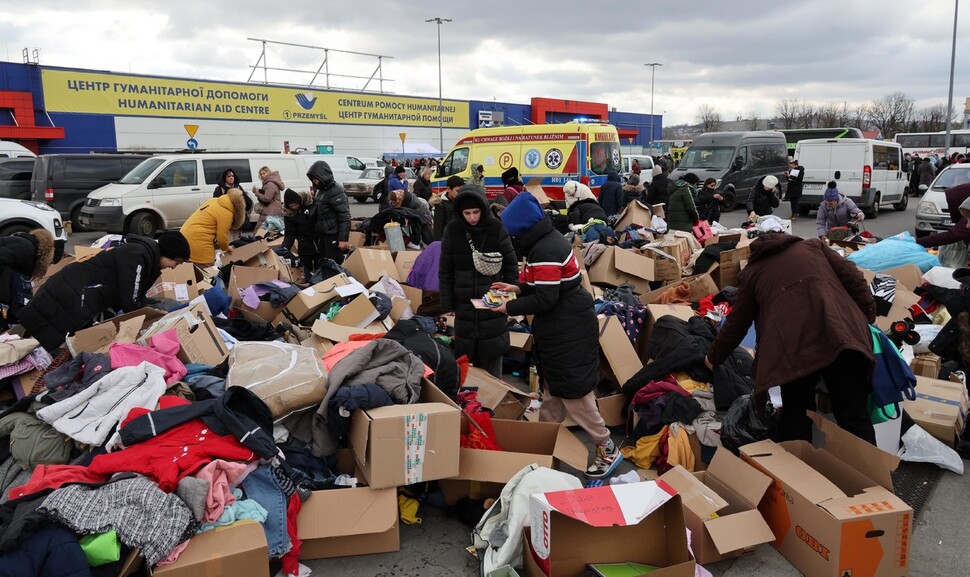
523 213
831 193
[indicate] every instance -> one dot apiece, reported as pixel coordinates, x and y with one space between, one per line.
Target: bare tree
891 113
857 116
830 115
807 113
709 118
754 121
932 118
787 110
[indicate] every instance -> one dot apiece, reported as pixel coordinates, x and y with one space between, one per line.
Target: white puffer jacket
89 416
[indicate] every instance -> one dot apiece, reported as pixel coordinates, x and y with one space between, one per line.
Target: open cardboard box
730 265
120 329
504 400
637 213
243 277
721 507
638 522
405 444
368 265
311 300
618 351
404 261
179 284
368 519
617 266
831 507
198 336
229 551
359 313
335 333
701 285
665 267
902 300
940 408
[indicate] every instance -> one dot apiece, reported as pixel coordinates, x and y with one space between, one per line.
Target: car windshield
373 173
141 172
951 177
708 157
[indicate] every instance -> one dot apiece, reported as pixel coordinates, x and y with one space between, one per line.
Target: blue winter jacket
52 551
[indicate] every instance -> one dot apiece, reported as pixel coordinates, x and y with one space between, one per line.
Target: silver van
162 191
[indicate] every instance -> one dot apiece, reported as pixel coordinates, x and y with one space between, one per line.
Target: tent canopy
410 150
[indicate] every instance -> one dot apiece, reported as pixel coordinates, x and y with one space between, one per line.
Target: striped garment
550 273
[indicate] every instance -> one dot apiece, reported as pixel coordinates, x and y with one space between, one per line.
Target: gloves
280 251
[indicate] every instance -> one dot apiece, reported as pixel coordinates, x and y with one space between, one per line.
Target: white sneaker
608 456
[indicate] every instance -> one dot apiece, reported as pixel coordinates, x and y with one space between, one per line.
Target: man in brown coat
811 310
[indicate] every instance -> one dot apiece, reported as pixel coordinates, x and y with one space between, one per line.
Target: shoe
608 456
793 218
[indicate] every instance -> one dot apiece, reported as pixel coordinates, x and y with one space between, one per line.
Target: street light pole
441 126
953 58
653 69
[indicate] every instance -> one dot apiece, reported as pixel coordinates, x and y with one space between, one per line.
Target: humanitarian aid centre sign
126 95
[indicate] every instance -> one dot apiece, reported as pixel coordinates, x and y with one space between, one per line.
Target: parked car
932 215
13 150
369 184
15 177
27 215
646 166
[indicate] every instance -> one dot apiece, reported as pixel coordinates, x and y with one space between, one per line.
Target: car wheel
143 224
76 219
15 228
873 211
902 204
361 199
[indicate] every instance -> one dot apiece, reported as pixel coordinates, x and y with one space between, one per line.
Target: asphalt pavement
436 547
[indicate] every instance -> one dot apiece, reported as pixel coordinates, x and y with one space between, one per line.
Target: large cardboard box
368 519
700 286
729 266
721 507
180 284
504 400
665 267
940 408
231 551
616 347
618 266
198 336
368 265
483 473
243 277
404 261
120 329
638 522
405 444
832 508
637 213
677 247
311 300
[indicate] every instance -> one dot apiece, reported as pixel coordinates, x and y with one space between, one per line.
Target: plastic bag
926 335
658 224
921 447
895 251
742 425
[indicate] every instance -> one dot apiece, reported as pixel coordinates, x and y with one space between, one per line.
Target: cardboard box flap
611 505
797 473
696 496
749 483
868 459
534 186
738 531
217 548
359 512
682 312
392 411
570 450
871 501
632 263
338 333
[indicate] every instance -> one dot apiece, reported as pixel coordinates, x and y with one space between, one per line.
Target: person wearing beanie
709 200
210 224
764 197
564 326
444 208
298 227
478 176
115 279
480 334
23 256
397 181
836 210
513 184
581 206
659 190
632 190
681 210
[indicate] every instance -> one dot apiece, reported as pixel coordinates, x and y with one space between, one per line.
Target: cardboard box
368 519
618 266
700 286
179 284
83 253
311 300
729 266
832 508
120 329
677 247
52 270
940 408
504 400
638 522
243 277
357 239
198 336
484 473
926 365
729 237
637 213
404 261
230 551
665 267
721 507
368 265
335 333
247 254
622 358
359 312
520 341
405 444
903 299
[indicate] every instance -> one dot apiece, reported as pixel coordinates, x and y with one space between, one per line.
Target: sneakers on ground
608 456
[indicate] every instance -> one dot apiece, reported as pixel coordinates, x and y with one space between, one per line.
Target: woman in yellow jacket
210 224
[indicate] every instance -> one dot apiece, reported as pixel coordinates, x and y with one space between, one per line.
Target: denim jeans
262 487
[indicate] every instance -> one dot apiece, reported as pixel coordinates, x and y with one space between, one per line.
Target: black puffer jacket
482 335
565 329
114 279
422 188
611 194
299 226
18 263
761 201
431 351
658 192
332 206
582 211
53 551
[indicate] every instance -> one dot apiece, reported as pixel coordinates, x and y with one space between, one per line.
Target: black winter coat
708 207
762 201
658 193
481 334
422 188
611 194
300 227
53 551
431 351
18 255
565 330
71 299
333 208
582 211
444 213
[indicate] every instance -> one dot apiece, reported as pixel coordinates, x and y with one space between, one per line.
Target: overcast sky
740 57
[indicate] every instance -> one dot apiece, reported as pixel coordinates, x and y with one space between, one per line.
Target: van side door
176 191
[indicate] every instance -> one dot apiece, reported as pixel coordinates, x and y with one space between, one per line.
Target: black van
736 159
63 181
15 177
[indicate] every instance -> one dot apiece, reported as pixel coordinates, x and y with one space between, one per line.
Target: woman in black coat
565 329
113 279
483 335
422 184
299 218
23 256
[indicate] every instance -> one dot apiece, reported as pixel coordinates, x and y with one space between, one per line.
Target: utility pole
441 126
653 69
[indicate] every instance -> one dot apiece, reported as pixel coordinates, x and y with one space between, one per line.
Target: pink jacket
161 352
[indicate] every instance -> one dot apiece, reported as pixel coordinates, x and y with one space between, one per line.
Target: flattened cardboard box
368 519
721 507
484 473
504 400
618 266
335 333
832 508
940 408
618 351
232 551
121 329
405 444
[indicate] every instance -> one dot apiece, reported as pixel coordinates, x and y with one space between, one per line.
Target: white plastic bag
921 447
658 224
926 335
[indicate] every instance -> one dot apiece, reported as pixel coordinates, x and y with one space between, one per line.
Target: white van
13 150
646 166
162 191
867 171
